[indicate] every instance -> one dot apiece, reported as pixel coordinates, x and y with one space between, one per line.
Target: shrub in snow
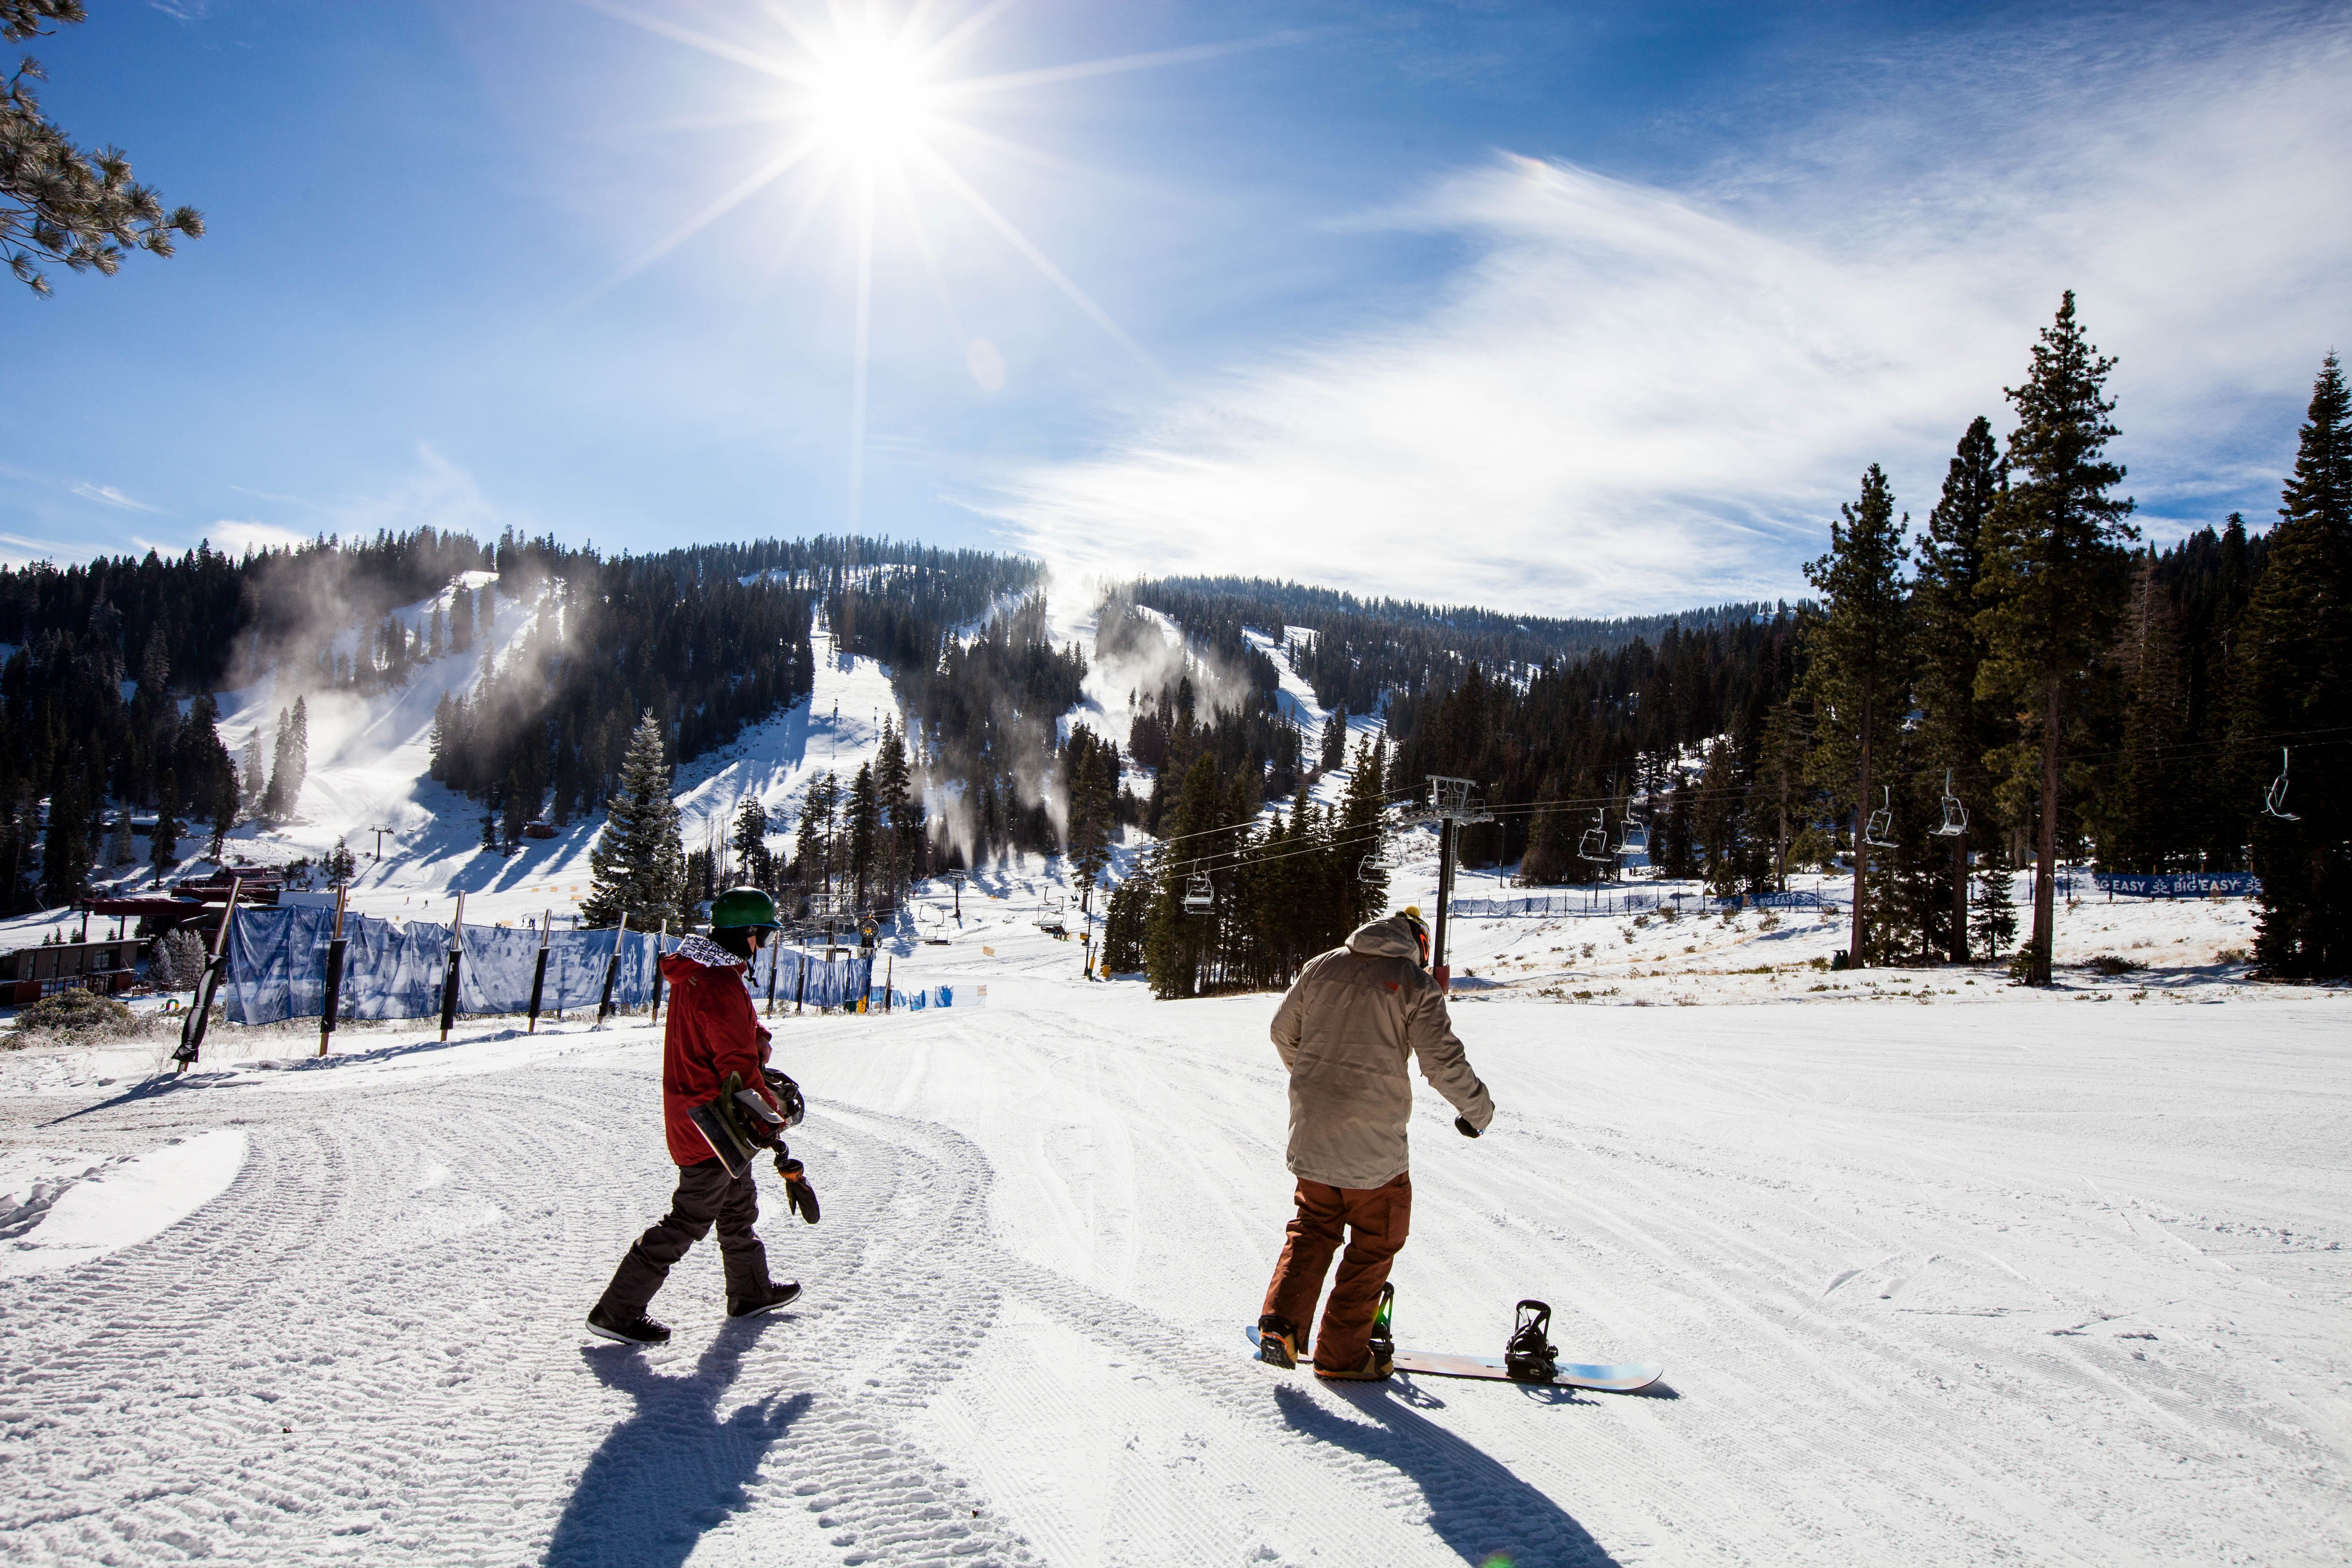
76 1013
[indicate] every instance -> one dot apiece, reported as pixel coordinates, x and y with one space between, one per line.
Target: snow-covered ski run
2030 1284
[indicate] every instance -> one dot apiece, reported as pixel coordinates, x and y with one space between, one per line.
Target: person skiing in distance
713 1032
1345 1030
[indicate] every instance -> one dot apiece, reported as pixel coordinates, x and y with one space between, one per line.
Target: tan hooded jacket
1351 1020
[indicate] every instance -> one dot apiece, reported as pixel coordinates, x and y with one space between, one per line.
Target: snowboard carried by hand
1527 1358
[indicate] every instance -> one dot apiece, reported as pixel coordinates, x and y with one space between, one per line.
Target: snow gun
736 1123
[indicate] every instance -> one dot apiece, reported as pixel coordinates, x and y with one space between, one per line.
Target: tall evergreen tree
1358 833
1178 942
1860 672
65 849
2141 822
639 864
1958 728
2294 677
253 774
749 840
2055 566
163 843
863 831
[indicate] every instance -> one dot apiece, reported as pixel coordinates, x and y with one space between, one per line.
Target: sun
870 95
866 107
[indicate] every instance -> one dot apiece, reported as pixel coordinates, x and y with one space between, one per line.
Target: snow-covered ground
2073 1290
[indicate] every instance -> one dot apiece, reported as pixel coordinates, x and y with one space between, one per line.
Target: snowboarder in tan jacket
1347 1031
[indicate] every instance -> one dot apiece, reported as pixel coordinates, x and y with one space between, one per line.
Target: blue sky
1562 307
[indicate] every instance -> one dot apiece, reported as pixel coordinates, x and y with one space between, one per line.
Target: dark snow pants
1376 1220
704 1194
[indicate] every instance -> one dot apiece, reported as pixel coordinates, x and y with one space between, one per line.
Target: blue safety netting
277 968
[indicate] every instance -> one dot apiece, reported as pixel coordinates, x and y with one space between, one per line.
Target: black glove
797 1191
1461 1125
788 1096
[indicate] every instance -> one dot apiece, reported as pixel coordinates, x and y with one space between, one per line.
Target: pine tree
1993 925
342 865
291 761
120 851
2055 567
436 632
461 619
637 865
1860 670
65 849
1358 834
2294 676
1177 944
749 842
812 844
864 828
1957 729
253 774
163 843
60 205
1335 739
2140 823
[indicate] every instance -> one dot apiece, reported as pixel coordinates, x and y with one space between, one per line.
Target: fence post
775 954
612 971
889 973
800 992
334 997
655 1016
191 1028
449 980
538 973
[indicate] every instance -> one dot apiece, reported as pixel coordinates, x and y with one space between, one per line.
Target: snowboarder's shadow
675 1468
1477 1506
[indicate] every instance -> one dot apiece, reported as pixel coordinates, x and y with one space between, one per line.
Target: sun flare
871 96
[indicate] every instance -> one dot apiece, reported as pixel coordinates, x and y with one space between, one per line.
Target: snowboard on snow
1525 1359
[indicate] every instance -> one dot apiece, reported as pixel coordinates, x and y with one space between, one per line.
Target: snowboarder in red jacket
713 1032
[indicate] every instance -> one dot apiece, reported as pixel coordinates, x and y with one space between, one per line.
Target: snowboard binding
1383 1338
1530 1357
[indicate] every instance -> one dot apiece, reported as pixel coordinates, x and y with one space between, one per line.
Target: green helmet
740 907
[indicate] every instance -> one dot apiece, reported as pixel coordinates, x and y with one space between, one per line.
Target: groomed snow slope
2068 1289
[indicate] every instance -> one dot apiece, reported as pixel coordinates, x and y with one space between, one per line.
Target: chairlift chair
2274 798
1956 815
1881 823
1200 894
1594 845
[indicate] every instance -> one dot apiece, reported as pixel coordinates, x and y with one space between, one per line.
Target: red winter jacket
712 1031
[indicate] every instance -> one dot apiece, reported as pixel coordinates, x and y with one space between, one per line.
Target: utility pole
379 833
1450 807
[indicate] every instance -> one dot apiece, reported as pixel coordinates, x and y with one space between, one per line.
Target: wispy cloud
106 495
1640 397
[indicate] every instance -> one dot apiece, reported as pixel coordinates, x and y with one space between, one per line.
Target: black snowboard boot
768 1300
1278 1341
637 1330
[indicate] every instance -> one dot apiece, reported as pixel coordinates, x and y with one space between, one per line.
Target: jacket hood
699 951
1388 937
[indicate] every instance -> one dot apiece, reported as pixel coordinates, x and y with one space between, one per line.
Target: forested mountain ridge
1916 693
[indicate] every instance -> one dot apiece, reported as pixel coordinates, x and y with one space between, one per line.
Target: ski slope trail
2073 1291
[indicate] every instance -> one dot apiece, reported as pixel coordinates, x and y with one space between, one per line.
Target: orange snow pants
1375 1220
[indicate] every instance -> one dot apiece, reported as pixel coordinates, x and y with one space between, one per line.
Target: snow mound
68 1220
